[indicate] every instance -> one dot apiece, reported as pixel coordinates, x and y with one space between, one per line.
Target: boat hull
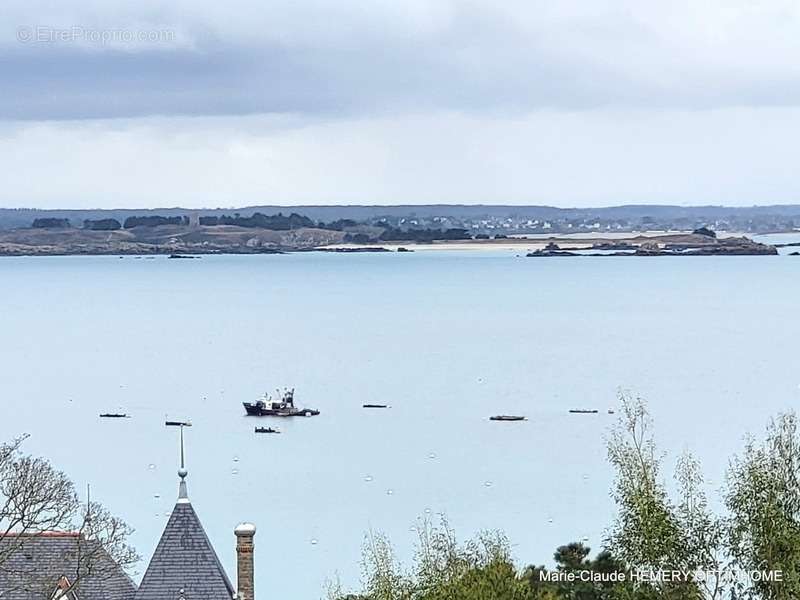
254 410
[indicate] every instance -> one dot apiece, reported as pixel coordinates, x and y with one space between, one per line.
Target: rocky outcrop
649 249
552 249
741 246
616 246
734 246
696 244
705 231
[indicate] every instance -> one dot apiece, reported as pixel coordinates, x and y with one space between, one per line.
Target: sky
196 103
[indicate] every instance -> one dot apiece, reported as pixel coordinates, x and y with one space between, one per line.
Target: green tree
574 558
443 569
763 499
652 533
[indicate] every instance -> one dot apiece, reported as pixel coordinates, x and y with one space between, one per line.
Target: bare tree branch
38 500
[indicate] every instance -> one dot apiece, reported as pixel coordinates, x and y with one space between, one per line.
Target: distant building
184 565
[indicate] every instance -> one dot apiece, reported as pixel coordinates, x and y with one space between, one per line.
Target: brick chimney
245 532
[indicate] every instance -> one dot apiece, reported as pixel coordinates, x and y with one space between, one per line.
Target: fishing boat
266 430
283 407
508 418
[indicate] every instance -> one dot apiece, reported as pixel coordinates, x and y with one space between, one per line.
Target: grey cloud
560 102
478 60
581 158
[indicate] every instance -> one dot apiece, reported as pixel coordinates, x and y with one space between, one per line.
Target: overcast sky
106 103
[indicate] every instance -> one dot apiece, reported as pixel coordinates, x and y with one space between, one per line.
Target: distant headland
536 230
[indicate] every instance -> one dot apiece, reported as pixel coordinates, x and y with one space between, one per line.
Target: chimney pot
245 532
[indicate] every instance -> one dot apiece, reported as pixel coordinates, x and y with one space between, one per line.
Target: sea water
446 339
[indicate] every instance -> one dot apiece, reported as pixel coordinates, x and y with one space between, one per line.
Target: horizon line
410 206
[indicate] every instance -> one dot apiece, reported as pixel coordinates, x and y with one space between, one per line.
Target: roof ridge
41 534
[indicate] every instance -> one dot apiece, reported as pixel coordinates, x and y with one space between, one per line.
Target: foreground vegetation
750 550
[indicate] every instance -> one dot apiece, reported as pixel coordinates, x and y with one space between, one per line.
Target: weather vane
182 472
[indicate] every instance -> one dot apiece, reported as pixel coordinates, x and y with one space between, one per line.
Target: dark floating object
611 411
403 249
583 411
115 416
277 408
182 256
266 430
178 423
375 406
508 418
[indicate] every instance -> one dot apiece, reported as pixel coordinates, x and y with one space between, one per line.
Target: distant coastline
541 231
182 240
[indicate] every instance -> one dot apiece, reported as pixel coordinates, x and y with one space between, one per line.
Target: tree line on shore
278 222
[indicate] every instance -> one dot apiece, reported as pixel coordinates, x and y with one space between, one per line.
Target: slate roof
184 560
32 571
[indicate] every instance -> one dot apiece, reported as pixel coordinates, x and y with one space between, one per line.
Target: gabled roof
184 560
36 564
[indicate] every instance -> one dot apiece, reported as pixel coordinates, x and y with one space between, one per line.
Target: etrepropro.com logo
46 34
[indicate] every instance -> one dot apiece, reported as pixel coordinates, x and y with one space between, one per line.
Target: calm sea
445 338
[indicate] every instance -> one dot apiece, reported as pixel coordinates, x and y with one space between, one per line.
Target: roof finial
182 472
